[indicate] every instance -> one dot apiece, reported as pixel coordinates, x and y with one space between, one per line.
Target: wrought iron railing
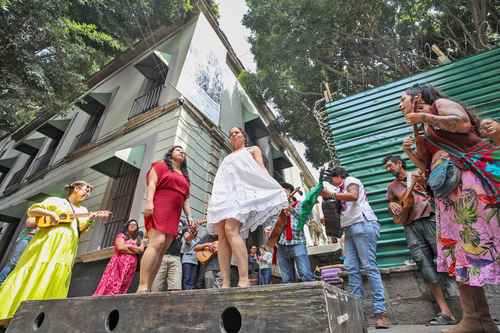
17 177
146 102
82 139
42 162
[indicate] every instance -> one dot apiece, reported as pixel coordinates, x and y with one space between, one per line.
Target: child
189 261
265 266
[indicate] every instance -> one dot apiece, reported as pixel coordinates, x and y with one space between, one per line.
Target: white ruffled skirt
244 191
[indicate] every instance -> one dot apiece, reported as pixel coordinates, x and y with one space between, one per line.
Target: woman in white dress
244 196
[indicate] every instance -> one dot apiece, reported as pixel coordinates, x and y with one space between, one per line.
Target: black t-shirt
175 248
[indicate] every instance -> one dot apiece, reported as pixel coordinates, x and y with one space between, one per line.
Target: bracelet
424 117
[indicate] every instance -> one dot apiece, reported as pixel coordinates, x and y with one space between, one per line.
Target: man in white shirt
361 230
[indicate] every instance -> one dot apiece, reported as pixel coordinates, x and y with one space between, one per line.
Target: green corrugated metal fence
368 126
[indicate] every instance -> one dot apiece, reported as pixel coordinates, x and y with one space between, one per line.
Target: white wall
127 84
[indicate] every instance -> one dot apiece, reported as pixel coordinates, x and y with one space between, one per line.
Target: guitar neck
77 215
410 189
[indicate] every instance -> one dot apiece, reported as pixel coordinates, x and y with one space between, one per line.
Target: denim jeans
189 276
360 253
290 256
11 263
265 276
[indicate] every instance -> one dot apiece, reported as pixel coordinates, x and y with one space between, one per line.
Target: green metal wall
368 126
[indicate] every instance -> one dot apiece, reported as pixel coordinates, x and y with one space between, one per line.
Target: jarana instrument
46 221
408 200
205 256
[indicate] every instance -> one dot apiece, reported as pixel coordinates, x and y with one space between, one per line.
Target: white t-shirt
355 211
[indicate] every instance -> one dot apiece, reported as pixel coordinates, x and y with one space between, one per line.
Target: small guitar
205 256
193 229
46 221
408 200
406 204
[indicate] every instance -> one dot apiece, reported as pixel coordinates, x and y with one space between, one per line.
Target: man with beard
420 229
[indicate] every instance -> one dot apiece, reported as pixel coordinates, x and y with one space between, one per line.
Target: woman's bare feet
143 290
244 283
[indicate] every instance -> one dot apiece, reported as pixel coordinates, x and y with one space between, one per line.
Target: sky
231 14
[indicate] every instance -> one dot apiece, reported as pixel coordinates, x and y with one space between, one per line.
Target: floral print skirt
118 275
468 232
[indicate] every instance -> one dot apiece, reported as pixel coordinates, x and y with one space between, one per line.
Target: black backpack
331 212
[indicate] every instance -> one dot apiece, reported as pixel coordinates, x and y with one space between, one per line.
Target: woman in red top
167 194
467 218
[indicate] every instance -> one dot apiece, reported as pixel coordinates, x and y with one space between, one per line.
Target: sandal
442 319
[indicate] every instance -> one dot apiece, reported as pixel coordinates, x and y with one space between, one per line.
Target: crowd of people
448 209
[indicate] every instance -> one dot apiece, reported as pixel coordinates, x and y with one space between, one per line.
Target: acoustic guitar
279 226
46 221
205 256
193 228
408 201
406 204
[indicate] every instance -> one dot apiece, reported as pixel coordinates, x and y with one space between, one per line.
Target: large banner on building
202 77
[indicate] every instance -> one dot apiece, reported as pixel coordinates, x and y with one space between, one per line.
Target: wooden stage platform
300 307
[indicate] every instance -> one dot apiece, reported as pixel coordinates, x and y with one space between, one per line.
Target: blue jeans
360 253
189 276
265 275
291 255
11 263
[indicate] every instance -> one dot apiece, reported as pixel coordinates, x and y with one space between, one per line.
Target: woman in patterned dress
468 224
120 270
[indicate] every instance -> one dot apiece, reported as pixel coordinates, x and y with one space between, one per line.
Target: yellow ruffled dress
44 269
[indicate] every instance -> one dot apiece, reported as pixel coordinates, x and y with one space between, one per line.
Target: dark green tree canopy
49 48
353 45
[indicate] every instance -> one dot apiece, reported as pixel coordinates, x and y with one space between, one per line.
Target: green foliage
353 45
49 48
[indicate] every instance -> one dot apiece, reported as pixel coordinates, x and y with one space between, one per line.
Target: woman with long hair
44 269
166 197
466 196
244 196
119 272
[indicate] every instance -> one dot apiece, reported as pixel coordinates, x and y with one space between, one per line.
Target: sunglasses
86 189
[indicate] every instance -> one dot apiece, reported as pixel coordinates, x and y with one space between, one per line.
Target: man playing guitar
410 205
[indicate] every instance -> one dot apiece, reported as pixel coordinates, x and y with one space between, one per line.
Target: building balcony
16 179
82 139
41 163
146 102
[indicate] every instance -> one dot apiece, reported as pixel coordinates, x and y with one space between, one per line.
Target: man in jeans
292 250
361 231
169 275
23 239
420 231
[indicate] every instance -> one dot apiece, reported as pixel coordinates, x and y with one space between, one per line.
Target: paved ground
410 329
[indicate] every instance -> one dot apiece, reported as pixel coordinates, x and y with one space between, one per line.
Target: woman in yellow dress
44 270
